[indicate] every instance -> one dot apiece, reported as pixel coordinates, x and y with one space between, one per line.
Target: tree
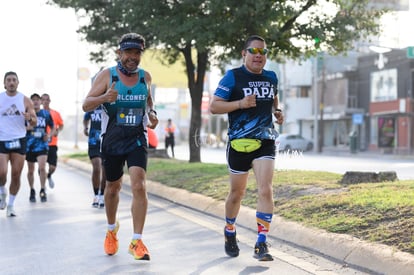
203 31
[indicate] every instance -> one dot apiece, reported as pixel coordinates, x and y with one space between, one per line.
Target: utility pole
282 95
321 108
318 100
315 105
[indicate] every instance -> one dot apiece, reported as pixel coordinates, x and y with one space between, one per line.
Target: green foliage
203 178
219 28
299 177
226 23
380 212
83 156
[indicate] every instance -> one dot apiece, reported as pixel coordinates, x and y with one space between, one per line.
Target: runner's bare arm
30 114
152 115
100 92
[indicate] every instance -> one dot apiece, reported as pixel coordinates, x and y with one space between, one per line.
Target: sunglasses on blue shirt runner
262 51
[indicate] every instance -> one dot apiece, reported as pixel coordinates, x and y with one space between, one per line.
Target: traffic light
317 41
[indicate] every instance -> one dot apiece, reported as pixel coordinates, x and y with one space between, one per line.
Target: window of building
303 92
412 84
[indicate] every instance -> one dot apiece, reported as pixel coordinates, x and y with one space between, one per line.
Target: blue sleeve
225 86
87 116
272 75
50 121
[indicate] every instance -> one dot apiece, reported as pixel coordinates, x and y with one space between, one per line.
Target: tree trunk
195 85
194 134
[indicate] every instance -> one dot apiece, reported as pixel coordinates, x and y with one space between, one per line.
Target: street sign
357 118
410 52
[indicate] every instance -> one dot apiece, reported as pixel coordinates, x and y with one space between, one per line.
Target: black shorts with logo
13 146
240 162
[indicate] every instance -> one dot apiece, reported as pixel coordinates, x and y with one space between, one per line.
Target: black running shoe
32 197
261 252
43 197
230 245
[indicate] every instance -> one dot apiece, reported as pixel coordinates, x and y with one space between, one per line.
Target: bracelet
152 111
278 110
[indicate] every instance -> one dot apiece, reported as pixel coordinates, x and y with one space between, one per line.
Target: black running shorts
32 156
114 164
20 148
239 162
52 155
94 152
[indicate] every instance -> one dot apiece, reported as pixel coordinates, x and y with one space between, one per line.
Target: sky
39 42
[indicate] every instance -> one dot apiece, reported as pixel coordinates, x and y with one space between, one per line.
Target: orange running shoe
138 249
111 241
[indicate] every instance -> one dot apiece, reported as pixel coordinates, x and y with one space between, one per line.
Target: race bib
245 145
129 116
38 133
12 144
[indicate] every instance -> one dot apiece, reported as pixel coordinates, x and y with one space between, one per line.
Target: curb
377 258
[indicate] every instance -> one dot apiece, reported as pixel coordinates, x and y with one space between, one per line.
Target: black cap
35 95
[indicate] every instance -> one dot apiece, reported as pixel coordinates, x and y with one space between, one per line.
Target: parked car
286 142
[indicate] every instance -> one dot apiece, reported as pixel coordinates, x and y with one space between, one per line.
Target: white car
286 142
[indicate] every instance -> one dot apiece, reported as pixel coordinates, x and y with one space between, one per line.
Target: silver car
286 142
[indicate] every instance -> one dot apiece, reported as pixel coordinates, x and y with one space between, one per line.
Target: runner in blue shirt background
37 147
92 129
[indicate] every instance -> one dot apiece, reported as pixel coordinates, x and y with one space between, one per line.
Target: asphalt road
65 236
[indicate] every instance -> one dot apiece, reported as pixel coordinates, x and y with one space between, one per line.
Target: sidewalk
376 258
345 151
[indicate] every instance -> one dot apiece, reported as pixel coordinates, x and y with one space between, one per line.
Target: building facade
368 98
385 91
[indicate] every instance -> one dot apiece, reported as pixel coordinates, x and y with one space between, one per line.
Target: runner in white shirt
16 111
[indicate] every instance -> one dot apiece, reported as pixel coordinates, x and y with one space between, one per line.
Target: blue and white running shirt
255 122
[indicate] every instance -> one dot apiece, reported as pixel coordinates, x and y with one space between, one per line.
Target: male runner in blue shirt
37 147
125 93
249 95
